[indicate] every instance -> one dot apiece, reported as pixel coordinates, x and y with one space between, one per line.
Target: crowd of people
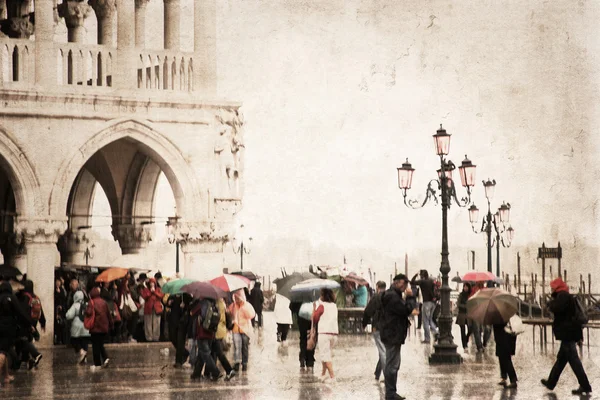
197 328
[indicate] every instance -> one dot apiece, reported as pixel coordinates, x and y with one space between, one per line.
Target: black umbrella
285 284
7 271
247 274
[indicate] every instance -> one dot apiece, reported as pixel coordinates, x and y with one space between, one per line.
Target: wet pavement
142 371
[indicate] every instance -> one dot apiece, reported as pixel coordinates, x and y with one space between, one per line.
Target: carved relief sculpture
229 153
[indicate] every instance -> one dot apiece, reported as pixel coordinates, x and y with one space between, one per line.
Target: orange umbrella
112 274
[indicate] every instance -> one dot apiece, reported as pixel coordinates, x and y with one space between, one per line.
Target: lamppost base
445 354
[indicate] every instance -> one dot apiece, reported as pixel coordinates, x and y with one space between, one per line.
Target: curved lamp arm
430 194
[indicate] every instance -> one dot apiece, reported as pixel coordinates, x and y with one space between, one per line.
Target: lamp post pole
488 231
445 349
241 249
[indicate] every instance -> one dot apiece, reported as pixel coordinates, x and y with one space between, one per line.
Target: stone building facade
118 114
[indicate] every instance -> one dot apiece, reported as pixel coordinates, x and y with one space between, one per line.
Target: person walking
394 328
569 332
242 313
283 318
257 299
205 339
79 335
304 313
461 319
153 309
103 323
427 291
13 318
326 319
60 309
33 306
506 345
476 327
373 314
217 351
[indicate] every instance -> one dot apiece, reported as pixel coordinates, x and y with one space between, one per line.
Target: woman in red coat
103 323
153 309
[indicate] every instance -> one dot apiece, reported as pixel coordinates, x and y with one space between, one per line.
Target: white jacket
283 314
328 323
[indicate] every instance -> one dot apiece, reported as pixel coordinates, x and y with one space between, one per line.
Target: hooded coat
241 313
77 328
12 315
257 298
562 306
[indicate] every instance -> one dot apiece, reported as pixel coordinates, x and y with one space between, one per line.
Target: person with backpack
569 330
427 286
242 313
79 335
98 320
12 316
217 351
33 306
372 314
205 320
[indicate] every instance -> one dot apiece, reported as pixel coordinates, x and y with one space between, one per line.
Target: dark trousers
420 316
507 370
258 319
128 327
218 354
80 343
307 357
390 372
98 348
465 332
205 360
568 354
27 349
487 333
177 337
282 331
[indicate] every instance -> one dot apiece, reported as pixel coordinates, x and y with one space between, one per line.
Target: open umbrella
353 277
7 271
285 284
203 290
175 286
476 276
456 279
310 290
112 274
230 283
492 306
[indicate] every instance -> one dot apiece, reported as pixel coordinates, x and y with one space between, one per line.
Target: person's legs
204 350
199 364
475 328
428 307
259 316
237 348
285 328
156 327
463 336
510 369
217 350
562 358
148 327
303 327
102 349
390 372
96 349
577 366
487 333
279 332
245 345
502 364
381 350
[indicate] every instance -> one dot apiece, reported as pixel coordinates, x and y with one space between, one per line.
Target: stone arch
21 175
161 150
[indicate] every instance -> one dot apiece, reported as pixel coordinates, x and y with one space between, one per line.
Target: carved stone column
72 246
172 24
132 238
40 237
140 23
202 245
105 11
75 13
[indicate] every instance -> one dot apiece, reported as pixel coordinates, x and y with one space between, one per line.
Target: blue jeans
381 350
240 348
192 343
428 324
390 372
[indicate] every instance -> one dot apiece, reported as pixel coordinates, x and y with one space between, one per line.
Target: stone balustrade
91 67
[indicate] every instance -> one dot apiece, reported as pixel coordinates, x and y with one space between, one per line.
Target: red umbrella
230 283
112 274
476 276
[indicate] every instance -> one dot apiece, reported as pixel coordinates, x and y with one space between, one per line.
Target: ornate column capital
131 237
74 12
202 236
104 8
18 27
39 230
141 3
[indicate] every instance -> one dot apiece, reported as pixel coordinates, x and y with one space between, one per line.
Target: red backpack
35 306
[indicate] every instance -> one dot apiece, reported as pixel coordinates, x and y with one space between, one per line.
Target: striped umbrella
230 283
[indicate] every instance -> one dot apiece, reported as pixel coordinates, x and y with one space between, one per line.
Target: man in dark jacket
257 299
394 327
12 316
24 345
427 291
569 332
373 314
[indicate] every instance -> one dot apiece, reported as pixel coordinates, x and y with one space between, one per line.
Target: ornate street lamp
497 222
172 227
445 349
241 249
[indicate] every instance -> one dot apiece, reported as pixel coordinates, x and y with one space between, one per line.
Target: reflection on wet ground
274 373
